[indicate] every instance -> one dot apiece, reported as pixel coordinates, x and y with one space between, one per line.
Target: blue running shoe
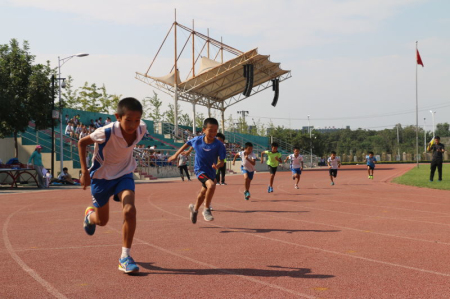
268 189
332 183
247 195
128 265
89 228
271 189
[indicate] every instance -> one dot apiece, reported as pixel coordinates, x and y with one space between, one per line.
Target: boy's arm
262 157
302 164
82 145
251 160
175 156
339 163
235 156
287 158
219 165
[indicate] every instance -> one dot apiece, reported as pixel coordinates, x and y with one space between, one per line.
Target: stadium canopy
216 84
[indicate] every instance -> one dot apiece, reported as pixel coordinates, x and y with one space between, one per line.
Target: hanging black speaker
249 85
246 67
276 88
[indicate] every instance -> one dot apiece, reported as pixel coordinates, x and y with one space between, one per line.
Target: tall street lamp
432 117
424 136
310 142
61 134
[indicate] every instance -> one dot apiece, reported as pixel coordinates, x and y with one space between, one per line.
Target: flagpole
417 115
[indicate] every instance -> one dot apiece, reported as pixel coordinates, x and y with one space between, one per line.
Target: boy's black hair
333 152
274 144
220 135
296 148
128 104
437 137
210 121
65 168
371 153
248 144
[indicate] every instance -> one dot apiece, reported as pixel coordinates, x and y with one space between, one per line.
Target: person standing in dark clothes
438 149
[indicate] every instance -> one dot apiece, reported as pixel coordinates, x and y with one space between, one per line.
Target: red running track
357 239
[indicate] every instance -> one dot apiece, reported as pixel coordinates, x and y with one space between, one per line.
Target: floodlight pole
175 112
222 110
424 137
432 117
194 129
398 143
417 117
61 134
310 142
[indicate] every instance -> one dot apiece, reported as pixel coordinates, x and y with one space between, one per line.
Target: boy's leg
211 188
272 177
433 170
439 167
224 171
187 172
129 215
298 178
200 199
100 216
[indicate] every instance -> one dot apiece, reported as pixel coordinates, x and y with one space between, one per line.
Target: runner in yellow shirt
273 159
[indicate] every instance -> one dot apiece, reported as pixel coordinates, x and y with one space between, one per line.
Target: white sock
125 252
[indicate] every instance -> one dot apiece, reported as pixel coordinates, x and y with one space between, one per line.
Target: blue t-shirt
206 155
370 161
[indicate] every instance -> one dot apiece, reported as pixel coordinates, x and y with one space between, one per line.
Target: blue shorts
102 189
296 170
249 173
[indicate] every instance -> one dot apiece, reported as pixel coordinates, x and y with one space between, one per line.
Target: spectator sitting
78 131
100 121
67 119
65 178
84 132
91 129
69 129
92 122
107 121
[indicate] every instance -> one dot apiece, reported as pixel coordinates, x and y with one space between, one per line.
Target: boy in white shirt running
296 165
247 167
333 164
111 173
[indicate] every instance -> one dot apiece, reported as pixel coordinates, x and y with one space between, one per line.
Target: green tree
169 115
26 92
442 130
152 108
89 98
199 118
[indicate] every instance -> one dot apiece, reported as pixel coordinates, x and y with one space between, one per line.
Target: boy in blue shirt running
371 160
207 149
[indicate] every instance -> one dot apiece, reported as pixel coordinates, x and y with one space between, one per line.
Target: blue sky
349 59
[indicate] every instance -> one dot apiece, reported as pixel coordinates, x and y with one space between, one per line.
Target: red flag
419 60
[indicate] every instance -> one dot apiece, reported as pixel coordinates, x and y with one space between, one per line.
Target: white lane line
370 216
52 290
71 247
274 286
327 251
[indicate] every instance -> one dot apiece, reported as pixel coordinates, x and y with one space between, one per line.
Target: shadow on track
257 211
288 272
269 230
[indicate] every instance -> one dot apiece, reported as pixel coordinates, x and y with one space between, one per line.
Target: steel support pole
61 134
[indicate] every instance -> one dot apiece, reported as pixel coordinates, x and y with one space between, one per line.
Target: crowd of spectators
76 129
151 156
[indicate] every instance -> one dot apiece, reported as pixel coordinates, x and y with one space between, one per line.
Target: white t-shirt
245 163
182 160
113 157
333 163
296 161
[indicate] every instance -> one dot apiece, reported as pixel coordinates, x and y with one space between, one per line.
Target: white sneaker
296 187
